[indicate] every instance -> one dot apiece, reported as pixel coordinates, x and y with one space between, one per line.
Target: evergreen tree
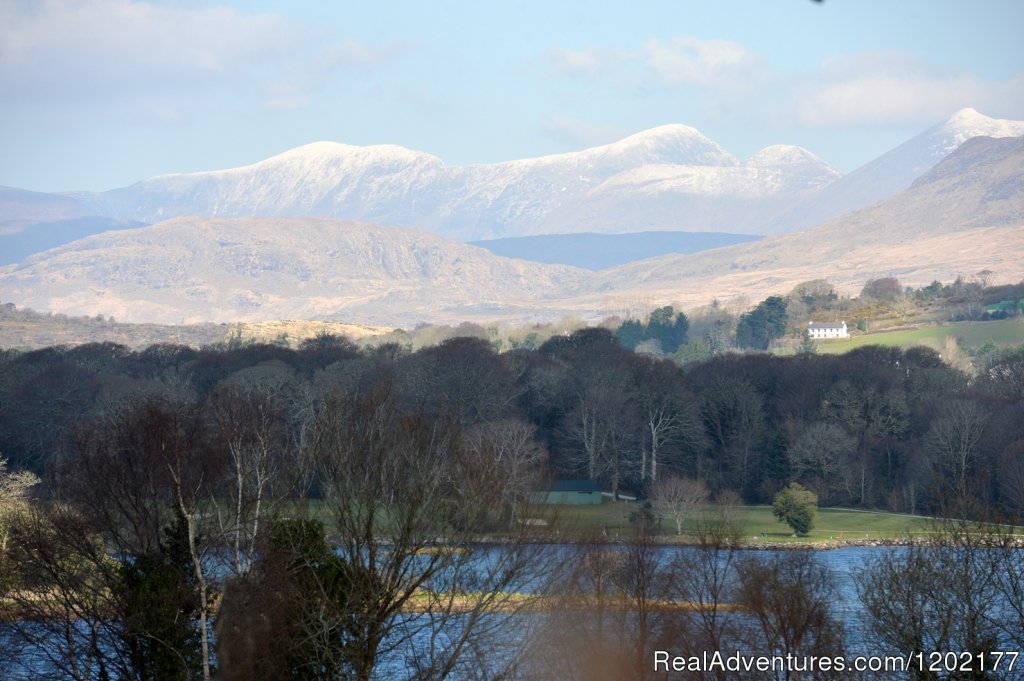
630 334
161 607
796 506
759 327
807 345
668 327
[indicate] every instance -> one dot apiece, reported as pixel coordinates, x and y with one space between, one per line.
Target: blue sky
96 94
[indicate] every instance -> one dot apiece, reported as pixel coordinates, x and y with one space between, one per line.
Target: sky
97 94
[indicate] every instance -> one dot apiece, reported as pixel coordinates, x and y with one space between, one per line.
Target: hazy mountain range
600 251
294 236
671 177
964 215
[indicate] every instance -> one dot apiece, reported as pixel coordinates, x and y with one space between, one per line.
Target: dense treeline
260 512
877 427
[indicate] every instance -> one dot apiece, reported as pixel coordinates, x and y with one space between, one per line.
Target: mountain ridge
559 192
965 215
894 171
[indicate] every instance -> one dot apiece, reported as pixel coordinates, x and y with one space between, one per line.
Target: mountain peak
672 143
783 154
326 150
968 114
966 123
668 132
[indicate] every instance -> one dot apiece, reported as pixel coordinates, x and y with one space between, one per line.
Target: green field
973 335
757 523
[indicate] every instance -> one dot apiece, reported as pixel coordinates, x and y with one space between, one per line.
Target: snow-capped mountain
895 170
962 216
670 177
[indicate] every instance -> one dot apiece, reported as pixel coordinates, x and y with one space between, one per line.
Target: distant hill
599 251
21 207
37 237
963 216
28 329
250 269
32 222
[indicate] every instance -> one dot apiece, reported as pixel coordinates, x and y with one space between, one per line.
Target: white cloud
711 64
587 62
147 55
577 133
299 78
714 64
893 89
868 89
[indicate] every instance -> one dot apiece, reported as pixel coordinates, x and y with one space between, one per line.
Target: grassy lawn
757 522
1005 332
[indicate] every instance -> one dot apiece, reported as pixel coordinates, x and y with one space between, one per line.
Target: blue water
844 565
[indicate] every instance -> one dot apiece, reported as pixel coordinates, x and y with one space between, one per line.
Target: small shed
1005 306
572 492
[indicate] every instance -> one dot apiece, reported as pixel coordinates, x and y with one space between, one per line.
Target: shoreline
759 544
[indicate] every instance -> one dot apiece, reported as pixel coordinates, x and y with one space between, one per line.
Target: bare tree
670 415
136 469
790 597
518 459
884 288
601 426
589 631
704 577
819 452
14 488
954 441
961 592
678 498
407 502
252 433
63 595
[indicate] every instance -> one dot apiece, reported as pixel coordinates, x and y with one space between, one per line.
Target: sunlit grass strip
506 602
611 521
1005 332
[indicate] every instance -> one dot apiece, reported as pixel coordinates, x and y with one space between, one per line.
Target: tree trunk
204 606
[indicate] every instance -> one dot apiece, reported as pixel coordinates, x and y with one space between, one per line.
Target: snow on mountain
964 125
964 215
556 193
312 179
895 170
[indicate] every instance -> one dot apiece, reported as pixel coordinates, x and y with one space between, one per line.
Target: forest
254 511
875 428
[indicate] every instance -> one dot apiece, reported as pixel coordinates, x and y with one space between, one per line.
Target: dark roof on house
574 486
833 325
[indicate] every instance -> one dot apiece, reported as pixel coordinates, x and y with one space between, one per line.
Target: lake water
843 564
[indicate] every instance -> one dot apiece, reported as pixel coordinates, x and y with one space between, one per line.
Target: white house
823 331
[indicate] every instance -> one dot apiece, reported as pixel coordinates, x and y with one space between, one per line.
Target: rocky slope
964 215
247 269
894 171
